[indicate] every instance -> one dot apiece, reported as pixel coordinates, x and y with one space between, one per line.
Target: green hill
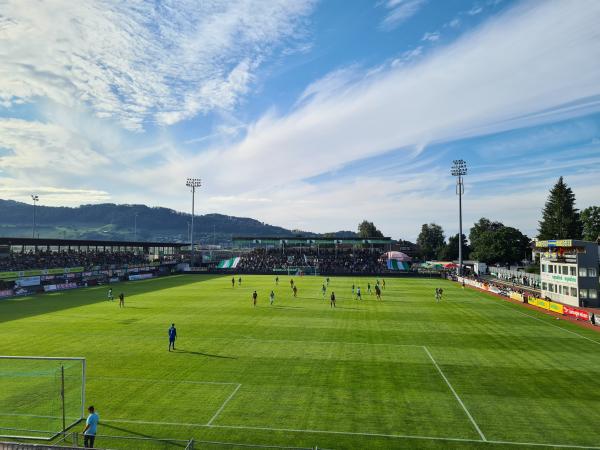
116 222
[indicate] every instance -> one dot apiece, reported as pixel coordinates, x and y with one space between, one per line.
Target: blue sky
305 114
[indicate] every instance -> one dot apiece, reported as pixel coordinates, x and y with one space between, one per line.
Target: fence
109 442
517 276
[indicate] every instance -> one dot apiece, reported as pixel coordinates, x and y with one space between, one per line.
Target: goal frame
83 383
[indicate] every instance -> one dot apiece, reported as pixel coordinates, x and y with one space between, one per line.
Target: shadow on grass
209 355
141 435
22 307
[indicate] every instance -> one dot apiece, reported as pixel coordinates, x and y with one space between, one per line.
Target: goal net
40 397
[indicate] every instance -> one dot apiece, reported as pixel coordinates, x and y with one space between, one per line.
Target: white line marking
455 394
224 404
350 433
318 342
545 322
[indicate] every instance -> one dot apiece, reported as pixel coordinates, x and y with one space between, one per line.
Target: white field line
212 419
455 394
317 342
549 324
351 433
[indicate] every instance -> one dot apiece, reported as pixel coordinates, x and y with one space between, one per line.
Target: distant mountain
116 222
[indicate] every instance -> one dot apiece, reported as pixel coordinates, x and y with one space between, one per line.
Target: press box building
569 271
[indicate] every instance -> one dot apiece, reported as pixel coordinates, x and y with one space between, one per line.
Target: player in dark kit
295 289
121 300
292 283
277 281
239 281
232 281
172 336
332 300
378 292
254 297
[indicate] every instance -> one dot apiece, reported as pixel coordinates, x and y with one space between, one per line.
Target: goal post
41 396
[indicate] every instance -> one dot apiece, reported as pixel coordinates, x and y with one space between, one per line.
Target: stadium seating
71 258
328 261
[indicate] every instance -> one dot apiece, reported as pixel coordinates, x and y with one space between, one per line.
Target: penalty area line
212 419
455 394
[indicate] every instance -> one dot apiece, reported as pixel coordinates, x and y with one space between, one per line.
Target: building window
544 286
573 292
582 272
592 272
550 268
543 267
573 271
565 270
593 293
583 293
550 287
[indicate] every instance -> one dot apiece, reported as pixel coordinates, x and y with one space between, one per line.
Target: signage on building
554 243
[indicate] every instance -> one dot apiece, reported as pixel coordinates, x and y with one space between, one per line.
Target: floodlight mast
35 198
459 170
193 183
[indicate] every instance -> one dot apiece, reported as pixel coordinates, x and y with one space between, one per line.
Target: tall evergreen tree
560 218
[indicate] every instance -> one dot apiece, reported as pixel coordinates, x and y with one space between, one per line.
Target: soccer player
383 280
369 288
121 300
332 299
277 281
378 292
272 297
441 294
358 296
327 281
323 290
91 426
437 295
254 297
172 336
352 289
295 289
232 281
239 281
292 283
110 295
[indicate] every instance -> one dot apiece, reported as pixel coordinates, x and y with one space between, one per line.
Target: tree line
493 242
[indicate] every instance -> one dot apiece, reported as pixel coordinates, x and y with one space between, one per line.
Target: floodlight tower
35 198
135 227
459 169
193 183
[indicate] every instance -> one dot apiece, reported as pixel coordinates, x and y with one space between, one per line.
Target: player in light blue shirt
91 425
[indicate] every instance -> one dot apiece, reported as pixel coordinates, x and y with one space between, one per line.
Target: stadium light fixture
459 170
193 183
35 198
135 227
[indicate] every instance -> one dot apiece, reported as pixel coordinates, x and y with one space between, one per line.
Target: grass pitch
472 371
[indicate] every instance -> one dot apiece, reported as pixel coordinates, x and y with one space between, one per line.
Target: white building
569 271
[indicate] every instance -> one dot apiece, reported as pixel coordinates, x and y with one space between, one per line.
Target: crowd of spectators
521 279
325 260
67 258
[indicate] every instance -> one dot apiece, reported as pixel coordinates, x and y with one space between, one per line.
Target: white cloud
431 37
400 11
139 61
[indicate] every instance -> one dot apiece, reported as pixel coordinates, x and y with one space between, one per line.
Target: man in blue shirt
172 336
89 432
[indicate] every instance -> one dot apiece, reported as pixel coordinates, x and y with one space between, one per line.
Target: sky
304 114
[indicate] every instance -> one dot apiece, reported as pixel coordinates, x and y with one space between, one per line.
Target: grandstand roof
43 242
308 240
